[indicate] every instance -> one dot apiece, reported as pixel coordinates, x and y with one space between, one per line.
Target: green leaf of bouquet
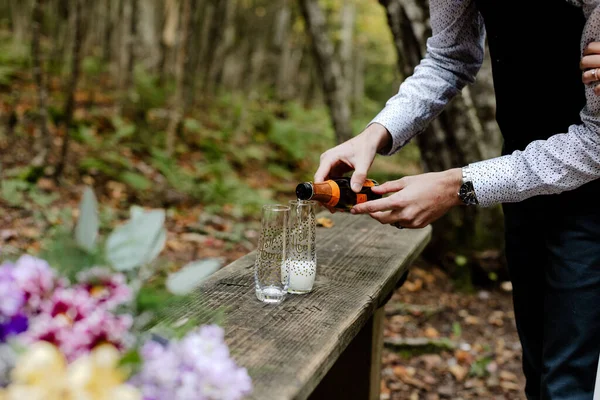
191 275
131 361
88 224
137 242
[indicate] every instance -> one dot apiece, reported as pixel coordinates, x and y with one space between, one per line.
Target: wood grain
288 348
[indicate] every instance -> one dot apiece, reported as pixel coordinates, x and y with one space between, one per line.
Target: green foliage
88 225
135 180
191 275
479 367
456 329
63 252
13 53
148 94
92 66
7 74
304 135
138 242
15 192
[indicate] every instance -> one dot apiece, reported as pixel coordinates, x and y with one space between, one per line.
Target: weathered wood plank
288 348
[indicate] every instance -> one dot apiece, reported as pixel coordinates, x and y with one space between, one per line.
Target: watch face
467 194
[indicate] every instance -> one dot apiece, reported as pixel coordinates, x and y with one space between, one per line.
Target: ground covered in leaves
444 344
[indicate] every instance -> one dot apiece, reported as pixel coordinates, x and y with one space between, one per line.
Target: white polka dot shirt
455 52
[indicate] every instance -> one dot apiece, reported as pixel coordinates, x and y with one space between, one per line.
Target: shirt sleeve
562 162
454 56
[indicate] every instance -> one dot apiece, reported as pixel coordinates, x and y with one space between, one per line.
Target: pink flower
73 321
36 279
107 288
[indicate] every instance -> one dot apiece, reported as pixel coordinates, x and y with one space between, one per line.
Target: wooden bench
326 344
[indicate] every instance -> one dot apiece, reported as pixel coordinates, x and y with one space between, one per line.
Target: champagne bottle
336 193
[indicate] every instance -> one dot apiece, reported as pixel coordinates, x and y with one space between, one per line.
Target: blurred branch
45 144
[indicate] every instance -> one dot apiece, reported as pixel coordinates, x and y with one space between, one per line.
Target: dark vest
535 52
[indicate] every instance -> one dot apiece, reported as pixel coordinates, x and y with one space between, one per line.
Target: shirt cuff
389 118
493 181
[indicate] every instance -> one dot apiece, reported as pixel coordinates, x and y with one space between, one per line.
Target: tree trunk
168 37
69 108
329 68
131 40
45 143
108 28
215 35
177 104
193 57
347 42
283 45
224 49
454 139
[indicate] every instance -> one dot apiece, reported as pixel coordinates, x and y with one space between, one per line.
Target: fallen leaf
7 234
446 391
510 386
508 376
175 245
463 357
431 333
471 320
429 379
193 237
506 286
325 222
30 233
492 381
496 318
46 184
473 383
413 286
459 372
431 361
384 391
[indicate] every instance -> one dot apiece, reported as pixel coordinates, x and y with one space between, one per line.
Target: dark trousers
553 253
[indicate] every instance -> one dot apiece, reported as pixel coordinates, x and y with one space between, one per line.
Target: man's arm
560 163
454 56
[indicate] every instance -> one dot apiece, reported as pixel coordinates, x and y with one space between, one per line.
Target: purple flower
198 367
13 326
36 279
106 287
12 301
13 298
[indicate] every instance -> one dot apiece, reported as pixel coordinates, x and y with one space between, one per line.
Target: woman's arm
560 163
454 56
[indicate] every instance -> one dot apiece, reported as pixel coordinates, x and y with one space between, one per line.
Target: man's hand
418 200
590 64
355 154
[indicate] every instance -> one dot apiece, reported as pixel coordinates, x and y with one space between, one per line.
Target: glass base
299 291
270 294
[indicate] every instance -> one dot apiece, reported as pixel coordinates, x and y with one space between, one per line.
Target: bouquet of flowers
82 331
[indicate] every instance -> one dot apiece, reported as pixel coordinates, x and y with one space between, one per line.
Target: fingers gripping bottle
337 193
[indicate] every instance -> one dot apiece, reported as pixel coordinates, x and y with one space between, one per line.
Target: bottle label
369 183
335 194
361 198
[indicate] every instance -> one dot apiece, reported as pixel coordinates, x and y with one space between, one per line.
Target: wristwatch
466 193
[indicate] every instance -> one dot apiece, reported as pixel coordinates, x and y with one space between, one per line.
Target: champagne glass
302 256
270 269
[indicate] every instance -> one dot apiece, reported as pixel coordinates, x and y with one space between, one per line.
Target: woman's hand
590 65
